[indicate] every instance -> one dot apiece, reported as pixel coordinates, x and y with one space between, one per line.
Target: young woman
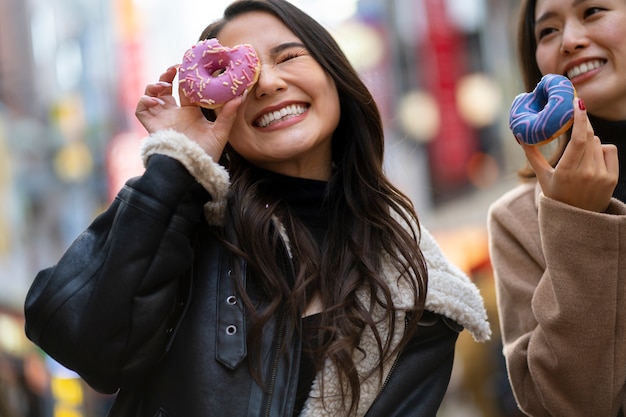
290 279
558 245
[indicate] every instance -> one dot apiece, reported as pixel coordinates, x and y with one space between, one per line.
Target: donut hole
218 72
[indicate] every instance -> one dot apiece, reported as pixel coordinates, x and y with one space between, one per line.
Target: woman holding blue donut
263 264
558 240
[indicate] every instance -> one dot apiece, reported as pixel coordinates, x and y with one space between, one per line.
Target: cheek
238 139
239 136
243 147
331 95
545 60
617 40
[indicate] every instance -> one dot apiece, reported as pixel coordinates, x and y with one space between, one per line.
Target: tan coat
561 289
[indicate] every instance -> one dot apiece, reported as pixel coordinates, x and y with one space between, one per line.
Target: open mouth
585 67
285 113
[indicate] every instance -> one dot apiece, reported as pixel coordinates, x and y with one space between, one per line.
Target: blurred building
17 86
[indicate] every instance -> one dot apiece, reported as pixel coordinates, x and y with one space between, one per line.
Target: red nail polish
581 104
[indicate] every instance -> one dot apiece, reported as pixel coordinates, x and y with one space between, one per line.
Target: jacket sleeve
420 378
106 310
561 287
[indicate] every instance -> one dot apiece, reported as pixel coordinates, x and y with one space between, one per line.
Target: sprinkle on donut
544 114
211 74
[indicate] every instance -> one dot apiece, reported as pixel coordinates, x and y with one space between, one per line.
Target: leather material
422 372
231 329
162 283
161 413
186 386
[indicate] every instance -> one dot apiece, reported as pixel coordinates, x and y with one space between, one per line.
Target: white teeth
583 68
286 112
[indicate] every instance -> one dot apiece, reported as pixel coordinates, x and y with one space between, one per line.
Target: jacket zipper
275 360
279 342
393 366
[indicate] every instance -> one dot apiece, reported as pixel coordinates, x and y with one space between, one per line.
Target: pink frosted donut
212 74
544 114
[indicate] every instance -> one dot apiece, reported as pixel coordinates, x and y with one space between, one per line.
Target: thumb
227 116
543 169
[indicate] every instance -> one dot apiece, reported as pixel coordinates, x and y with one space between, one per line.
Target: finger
167 79
542 168
147 102
164 85
227 115
536 159
158 89
582 134
611 160
592 165
169 74
610 170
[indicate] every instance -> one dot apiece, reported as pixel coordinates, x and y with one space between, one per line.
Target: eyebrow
278 49
548 15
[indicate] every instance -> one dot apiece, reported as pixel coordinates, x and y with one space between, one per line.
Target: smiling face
287 120
586 41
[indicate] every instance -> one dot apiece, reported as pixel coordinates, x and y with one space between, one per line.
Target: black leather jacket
142 304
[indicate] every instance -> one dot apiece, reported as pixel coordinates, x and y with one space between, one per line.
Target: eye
287 57
543 32
291 54
592 11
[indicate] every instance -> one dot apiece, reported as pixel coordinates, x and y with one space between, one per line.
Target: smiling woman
263 265
297 144
556 242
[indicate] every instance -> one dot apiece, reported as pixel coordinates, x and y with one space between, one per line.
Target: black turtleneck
305 198
614 132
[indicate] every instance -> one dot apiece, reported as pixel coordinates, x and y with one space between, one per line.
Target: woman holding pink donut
558 241
263 265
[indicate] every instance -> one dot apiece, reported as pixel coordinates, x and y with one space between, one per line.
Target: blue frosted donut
546 113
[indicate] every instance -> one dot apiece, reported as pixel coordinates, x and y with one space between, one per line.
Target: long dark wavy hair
531 75
363 233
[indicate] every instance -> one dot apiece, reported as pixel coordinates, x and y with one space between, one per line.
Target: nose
270 81
574 38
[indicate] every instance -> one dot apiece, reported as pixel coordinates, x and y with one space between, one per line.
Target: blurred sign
442 61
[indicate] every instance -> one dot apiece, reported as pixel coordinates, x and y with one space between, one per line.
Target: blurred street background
71 71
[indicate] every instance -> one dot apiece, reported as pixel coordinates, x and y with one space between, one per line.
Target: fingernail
581 104
164 84
160 101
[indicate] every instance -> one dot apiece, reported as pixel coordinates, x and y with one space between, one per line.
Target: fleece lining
211 175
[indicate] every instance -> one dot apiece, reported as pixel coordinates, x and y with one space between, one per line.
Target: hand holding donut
210 76
586 174
157 110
